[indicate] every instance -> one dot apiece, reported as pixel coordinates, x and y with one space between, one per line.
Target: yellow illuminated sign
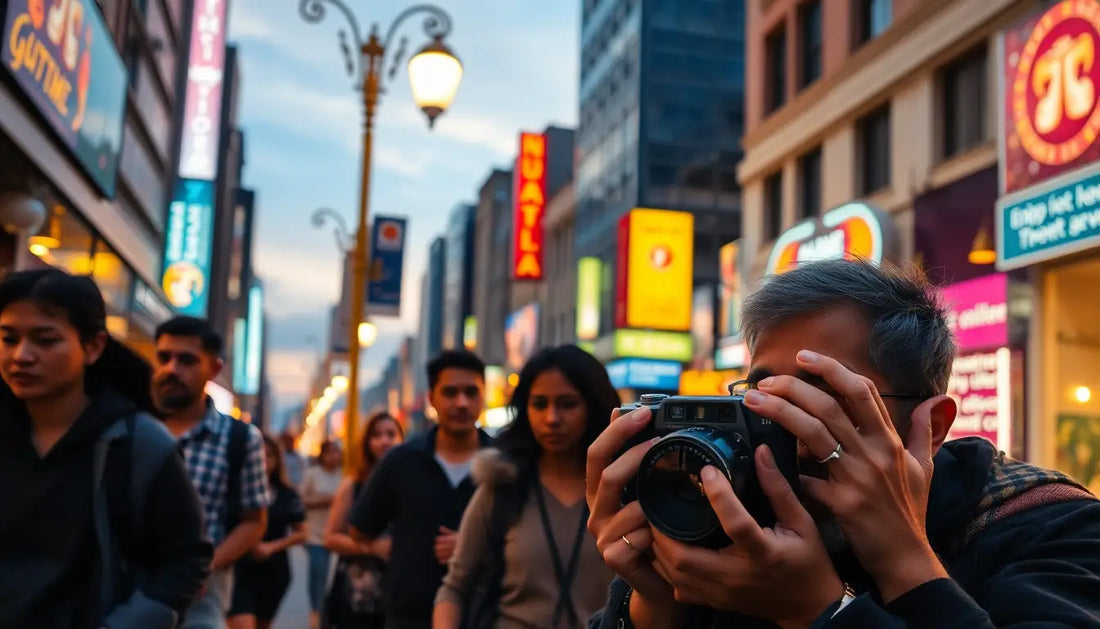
659 268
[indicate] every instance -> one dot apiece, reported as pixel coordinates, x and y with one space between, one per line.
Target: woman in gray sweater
524 558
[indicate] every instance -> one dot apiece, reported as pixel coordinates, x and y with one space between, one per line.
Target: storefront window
1071 370
113 278
64 242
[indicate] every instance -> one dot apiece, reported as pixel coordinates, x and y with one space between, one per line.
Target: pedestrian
261 577
319 488
524 557
420 489
893 526
100 526
295 462
356 598
224 457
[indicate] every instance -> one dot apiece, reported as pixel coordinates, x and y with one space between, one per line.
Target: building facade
911 124
429 338
559 291
661 117
458 275
493 236
85 180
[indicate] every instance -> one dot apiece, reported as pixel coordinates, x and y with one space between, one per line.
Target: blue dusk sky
303 123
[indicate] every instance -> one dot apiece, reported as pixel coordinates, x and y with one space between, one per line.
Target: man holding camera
891 526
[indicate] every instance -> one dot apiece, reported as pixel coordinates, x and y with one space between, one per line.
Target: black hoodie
1022 546
50 562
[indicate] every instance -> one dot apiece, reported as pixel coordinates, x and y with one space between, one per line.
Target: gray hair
910 342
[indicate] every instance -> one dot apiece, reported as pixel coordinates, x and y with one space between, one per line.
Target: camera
696 431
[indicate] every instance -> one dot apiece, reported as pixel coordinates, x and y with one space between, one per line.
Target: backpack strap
150 446
235 455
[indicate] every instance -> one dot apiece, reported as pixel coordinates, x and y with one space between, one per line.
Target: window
872 17
776 69
773 206
809 41
809 184
965 99
874 151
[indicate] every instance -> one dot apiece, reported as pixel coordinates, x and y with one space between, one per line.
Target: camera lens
670 489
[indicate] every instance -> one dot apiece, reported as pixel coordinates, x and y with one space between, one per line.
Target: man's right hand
622 533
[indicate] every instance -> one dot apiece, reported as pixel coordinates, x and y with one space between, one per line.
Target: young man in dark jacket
892 527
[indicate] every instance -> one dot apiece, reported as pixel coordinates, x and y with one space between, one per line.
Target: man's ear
219 364
942 410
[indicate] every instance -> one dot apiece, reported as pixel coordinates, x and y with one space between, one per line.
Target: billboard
589 271
254 355
1050 87
655 267
64 59
641 373
188 244
981 384
853 230
202 109
674 346
530 207
387 246
702 326
521 336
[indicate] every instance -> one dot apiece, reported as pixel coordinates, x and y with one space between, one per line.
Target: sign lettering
64 59
188 247
853 230
202 113
530 207
1056 218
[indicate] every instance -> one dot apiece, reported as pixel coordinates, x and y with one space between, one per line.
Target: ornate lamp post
435 74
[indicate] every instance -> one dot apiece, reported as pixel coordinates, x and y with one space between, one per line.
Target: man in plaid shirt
188 356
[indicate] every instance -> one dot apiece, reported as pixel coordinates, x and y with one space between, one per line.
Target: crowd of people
189 514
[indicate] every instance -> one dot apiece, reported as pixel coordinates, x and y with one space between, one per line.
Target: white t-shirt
455 471
319 481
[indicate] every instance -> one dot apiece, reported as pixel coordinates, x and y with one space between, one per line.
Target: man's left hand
878 486
782 574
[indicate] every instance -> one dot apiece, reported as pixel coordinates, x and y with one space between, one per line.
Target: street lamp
434 74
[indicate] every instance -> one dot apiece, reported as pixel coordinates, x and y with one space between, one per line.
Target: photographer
854 360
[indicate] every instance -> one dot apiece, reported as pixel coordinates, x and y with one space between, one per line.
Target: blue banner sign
641 373
187 247
1053 219
387 246
64 59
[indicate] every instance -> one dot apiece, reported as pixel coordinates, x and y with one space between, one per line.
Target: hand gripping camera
696 432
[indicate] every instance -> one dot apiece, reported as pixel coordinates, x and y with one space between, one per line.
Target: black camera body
696 431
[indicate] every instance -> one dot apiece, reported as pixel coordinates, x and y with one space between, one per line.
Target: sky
303 123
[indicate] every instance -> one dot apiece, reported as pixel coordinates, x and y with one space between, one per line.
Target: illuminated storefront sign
1052 85
202 112
708 382
978 312
64 59
530 207
853 230
654 270
469 333
589 271
521 336
1053 219
730 351
188 246
981 385
640 373
646 344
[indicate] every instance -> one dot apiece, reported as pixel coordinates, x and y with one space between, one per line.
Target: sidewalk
294 612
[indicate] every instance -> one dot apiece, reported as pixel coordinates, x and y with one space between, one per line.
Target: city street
294 612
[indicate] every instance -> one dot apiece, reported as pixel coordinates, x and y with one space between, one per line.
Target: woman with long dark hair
322 481
355 598
261 578
100 524
524 558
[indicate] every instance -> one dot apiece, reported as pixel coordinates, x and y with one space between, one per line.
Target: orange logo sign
851 231
1054 95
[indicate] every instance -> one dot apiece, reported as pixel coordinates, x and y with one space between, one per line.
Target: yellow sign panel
660 266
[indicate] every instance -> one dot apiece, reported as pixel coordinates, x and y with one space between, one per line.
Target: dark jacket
1022 546
80 545
410 495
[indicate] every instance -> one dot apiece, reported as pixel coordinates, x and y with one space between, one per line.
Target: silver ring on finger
628 543
834 455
